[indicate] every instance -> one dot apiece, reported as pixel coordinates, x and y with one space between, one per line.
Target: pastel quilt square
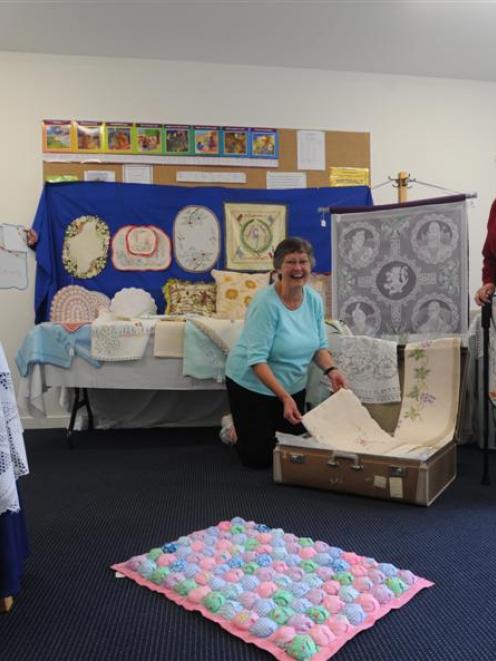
292 596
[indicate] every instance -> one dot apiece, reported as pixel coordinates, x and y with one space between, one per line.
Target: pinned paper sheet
13 257
14 238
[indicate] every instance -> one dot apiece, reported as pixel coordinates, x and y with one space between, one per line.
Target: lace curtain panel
13 461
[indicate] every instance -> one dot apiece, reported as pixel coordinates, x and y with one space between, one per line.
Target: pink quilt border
322 655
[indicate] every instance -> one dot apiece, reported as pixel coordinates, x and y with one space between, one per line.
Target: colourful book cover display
149 138
58 135
89 136
144 138
119 137
235 141
206 140
177 139
264 143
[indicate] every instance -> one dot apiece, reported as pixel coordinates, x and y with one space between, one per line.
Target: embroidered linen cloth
428 412
342 423
113 340
370 366
431 391
53 344
169 339
13 461
292 596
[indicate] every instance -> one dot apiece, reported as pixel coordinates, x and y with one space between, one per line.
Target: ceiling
415 37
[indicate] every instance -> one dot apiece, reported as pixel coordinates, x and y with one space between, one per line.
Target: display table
13 464
152 392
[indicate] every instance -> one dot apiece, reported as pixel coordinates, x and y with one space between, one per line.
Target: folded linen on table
224 333
202 358
370 365
51 343
114 339
169 339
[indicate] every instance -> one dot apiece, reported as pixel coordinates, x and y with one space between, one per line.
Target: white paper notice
14 238
99 175
211 177
311 150
286 180
138 174
13 264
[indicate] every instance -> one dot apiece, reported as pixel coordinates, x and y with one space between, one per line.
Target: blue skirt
14 550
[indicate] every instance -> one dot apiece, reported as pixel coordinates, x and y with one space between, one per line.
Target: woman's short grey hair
290 245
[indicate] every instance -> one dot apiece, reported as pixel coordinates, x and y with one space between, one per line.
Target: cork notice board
343 149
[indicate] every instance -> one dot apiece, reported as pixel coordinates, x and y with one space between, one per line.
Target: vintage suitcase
406 480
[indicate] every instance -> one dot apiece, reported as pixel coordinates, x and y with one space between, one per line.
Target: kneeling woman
266 371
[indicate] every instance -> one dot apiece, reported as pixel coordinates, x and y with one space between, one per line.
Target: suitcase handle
355 461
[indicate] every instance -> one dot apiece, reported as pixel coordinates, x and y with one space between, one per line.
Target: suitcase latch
296 458
397 471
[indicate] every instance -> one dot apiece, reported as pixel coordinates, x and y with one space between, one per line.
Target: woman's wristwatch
330 369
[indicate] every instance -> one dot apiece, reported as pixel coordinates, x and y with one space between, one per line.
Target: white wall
441 131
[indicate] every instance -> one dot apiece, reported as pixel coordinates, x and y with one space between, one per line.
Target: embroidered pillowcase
235 291
185 297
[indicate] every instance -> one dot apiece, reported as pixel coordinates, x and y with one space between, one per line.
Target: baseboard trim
50 422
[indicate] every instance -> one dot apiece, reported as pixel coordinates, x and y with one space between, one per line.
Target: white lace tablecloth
13 461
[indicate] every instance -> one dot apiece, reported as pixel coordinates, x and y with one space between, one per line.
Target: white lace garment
370 366
13 461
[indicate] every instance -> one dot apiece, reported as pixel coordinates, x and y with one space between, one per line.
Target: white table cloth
13 461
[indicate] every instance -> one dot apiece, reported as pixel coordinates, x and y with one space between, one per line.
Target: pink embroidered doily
74 303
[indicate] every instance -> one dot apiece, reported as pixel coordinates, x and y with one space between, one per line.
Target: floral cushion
185 297
235 291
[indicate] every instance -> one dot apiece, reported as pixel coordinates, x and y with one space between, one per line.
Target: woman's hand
338 380
484 293
291 411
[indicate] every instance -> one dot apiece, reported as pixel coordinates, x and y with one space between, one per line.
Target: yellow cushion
235 291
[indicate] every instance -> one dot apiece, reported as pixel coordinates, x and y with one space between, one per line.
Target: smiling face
295 269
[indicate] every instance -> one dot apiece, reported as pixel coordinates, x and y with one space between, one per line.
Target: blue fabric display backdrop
136 204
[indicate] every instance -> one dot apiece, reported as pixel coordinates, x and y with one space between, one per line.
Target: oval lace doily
86 242
132 302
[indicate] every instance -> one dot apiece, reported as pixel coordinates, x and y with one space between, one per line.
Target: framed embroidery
196 237
252 234
401 271
141 248
85 247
